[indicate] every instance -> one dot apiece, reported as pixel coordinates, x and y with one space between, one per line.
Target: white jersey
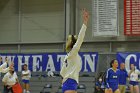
28 76
3 68
72 63
134 75
10 79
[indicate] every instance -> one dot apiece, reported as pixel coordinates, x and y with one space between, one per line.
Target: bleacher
86 85
42 83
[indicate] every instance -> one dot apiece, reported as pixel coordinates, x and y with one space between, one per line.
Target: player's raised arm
77 45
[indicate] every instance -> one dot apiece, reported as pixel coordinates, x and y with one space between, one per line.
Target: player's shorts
114 87
134 83
25 81
69 84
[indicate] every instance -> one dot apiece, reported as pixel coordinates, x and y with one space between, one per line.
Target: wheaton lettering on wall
50 61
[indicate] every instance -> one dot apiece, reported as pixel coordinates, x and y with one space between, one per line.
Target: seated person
99 86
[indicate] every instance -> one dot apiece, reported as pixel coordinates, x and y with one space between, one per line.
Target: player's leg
108 91
70 91
131 89
24 87
27 88
136 89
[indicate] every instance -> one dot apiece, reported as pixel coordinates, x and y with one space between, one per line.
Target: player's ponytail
73 41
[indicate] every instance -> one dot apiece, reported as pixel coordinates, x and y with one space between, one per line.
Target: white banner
105 17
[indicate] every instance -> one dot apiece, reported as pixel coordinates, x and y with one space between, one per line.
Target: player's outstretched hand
85 16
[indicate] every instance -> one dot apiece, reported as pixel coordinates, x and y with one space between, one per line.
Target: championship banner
131 17
129 58
50 61
105 17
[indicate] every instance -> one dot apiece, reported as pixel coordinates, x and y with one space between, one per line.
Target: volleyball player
26 75
72 63
112 77
133 77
